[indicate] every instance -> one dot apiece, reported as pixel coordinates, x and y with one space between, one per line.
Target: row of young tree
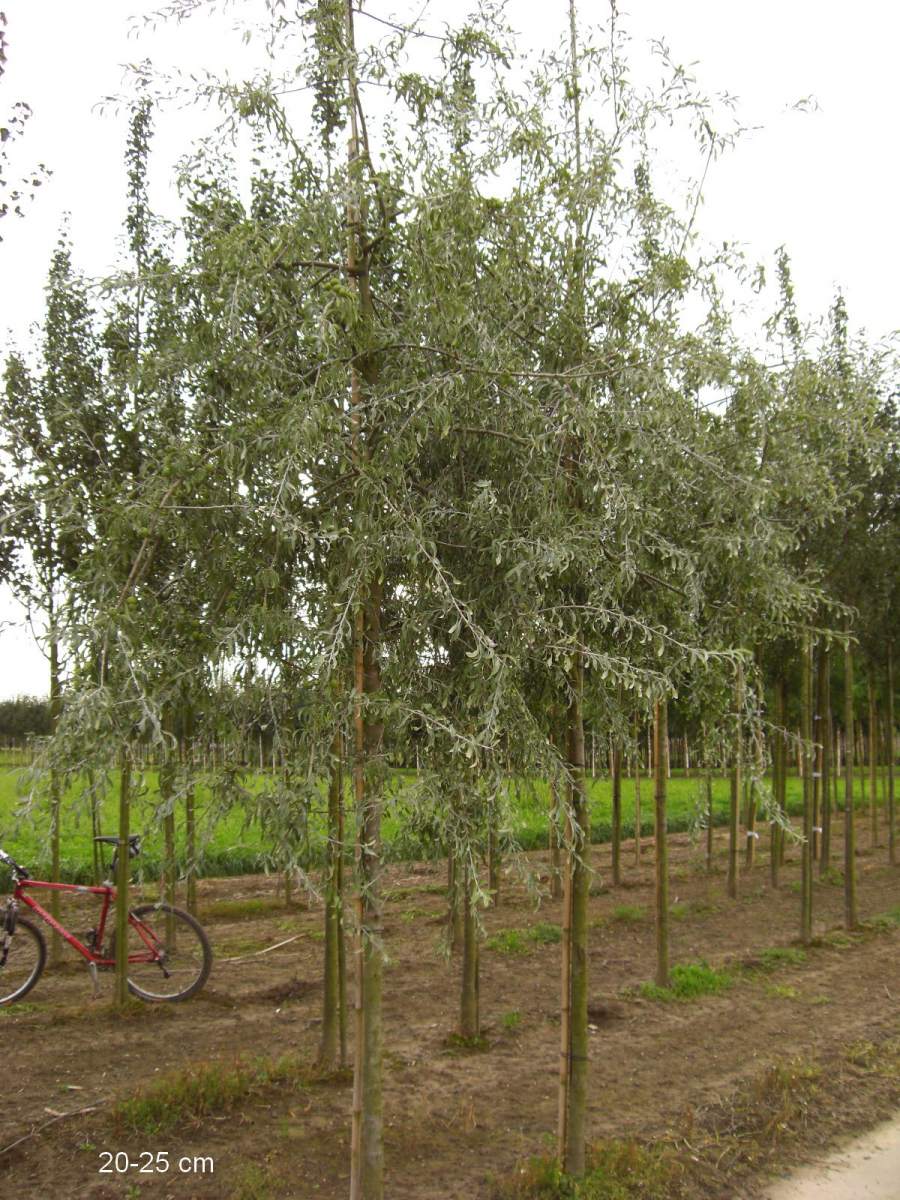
449 441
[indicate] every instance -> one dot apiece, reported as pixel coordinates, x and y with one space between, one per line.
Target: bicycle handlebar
13 865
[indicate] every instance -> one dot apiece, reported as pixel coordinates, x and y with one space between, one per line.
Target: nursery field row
233 841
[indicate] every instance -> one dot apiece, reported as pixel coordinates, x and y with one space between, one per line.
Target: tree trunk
736 777
367 1149
891 816
190 849
55 789
574 1031
806 849
493 857
637 794
616 774
190 810
826 733
123 865
850 913
859 751
752 835
660 737
168 868
454 904
779 770
96 831
469 1017
873 758
333 1046
554 838
816 760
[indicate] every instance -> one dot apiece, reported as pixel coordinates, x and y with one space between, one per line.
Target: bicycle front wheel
169 955
24 961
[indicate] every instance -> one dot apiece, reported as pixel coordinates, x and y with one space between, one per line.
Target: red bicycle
169 955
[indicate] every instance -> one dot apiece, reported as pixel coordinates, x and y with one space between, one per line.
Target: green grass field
233 844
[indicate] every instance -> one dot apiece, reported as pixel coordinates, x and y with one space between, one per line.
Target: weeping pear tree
391 375
55 419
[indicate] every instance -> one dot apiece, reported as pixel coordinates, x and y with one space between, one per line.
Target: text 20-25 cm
149 1163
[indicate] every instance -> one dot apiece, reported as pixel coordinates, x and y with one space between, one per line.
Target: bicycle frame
151 954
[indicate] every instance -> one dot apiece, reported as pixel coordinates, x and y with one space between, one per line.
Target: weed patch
886 921
235 947
688 981
413 914
881 1059
188 1096
22 1009
616 1170
236 910
456 1044
255 1183
626 914
773 957
782 991
521 941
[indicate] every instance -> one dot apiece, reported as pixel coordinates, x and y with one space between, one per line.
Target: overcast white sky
825 184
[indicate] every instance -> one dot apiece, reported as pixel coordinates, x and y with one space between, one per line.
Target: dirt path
866 1169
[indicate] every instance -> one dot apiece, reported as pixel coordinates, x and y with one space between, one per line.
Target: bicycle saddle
134 842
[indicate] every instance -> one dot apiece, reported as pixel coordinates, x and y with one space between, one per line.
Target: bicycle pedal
95 978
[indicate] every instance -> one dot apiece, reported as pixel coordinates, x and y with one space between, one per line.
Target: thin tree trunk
816 761
565 1007
55 790
660 732
553 838
850 913
169 870
96 831
616 773
891 815
709 822
806 849
667 750
454 903
826 731
333 1048
859 753
493 858
779 769
752 835
873 758
367 1149
367 1130
123 864
736 777
469 1017
573 1077
190 849
190 810
637 794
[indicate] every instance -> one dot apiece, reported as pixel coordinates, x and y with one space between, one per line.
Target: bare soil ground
453 1117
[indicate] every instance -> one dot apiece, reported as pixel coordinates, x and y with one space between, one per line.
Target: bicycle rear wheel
26 956
168 951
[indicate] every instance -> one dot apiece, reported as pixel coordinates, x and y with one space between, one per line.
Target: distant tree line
24 715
